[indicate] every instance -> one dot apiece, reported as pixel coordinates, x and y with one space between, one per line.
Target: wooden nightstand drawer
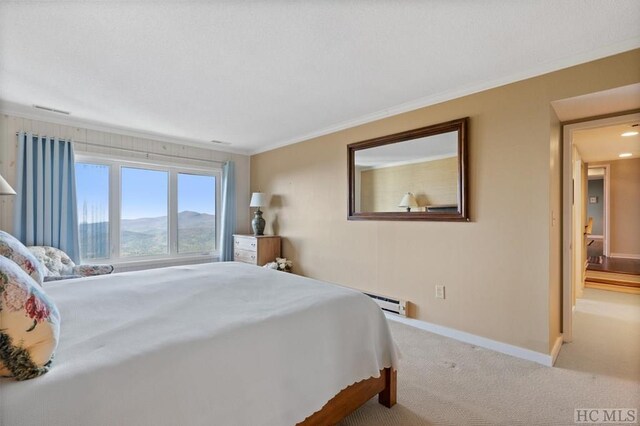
246 243
245 256
256 249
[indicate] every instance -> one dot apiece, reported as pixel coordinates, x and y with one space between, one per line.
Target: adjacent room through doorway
611 205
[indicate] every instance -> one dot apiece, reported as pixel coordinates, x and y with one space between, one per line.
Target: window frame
115 202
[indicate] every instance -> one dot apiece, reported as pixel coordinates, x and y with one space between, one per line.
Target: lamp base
258 223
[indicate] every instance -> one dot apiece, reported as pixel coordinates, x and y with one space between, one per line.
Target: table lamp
258 199
408 201
5 188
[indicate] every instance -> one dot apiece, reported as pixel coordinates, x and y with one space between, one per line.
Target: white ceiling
264 74
606 143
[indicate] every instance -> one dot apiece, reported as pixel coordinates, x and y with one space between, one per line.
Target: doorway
578 230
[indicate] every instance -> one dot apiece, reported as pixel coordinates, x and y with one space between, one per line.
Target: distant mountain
186 219
196 232
144 224
189 219
148 236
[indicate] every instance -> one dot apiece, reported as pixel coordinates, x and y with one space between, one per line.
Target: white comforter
214 344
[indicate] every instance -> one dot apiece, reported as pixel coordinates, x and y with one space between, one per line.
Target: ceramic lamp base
258 223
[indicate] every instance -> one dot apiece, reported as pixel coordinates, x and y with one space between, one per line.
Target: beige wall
624 184
500 269
625 207
432 182
9 125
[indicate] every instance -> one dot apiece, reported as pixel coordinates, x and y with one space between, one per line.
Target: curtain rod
136 150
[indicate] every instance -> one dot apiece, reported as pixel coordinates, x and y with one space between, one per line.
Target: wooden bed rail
352 397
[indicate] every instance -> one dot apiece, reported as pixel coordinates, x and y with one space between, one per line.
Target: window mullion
218 211
173 213
114 210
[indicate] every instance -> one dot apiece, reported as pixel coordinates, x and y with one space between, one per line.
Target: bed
223 343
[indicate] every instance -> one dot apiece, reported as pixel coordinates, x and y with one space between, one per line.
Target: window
196 213
143 212
92 194
134 211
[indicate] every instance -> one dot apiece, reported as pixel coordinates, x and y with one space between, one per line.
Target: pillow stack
29 321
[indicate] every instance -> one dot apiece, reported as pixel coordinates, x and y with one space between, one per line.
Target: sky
144 192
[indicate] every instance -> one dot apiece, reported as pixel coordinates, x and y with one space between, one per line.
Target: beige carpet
445 382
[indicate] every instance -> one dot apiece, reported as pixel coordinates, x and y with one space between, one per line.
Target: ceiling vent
220 142
57 111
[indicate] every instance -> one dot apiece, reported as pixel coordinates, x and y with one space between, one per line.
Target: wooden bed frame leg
389 394
352 397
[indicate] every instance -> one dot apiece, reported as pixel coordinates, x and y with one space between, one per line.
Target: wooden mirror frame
460 126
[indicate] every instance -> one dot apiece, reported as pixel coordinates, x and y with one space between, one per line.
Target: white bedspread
214 344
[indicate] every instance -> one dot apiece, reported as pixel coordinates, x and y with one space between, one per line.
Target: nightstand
256 249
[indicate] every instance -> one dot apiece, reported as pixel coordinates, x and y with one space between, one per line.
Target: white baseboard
625 256
494 345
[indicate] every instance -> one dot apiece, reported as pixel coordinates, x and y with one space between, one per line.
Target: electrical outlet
440 292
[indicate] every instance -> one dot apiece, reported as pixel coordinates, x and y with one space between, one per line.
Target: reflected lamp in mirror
428 164
258 199
5 188
408 201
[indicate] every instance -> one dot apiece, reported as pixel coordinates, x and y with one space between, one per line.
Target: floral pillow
29 324
91 270
14 250
58 266
55 261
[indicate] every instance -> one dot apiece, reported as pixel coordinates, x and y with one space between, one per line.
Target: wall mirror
419 174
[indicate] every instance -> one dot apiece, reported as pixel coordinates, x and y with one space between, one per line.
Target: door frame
568 287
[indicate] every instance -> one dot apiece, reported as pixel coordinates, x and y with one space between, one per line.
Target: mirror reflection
418 175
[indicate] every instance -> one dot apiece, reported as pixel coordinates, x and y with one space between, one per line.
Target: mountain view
148 236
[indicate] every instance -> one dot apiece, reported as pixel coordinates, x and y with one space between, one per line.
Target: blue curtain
228 210
45 209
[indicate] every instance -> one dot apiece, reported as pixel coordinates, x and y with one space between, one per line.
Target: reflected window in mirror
414 175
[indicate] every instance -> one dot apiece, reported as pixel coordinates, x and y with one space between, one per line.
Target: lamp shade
5 188
258 199
408 200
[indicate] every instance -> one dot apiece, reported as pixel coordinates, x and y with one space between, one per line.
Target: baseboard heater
389 304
